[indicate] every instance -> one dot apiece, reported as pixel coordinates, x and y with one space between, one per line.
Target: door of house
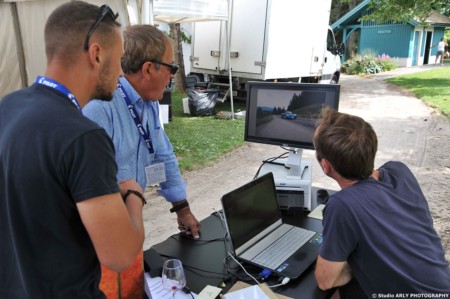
426 56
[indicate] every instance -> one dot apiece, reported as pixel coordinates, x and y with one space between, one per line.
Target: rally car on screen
288 115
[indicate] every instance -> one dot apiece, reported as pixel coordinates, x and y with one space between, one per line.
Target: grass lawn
198 141
432 86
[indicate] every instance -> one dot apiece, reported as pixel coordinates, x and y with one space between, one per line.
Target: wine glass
173 278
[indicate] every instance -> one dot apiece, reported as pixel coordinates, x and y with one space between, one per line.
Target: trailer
275 40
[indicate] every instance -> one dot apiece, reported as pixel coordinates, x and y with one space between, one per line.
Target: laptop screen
251 208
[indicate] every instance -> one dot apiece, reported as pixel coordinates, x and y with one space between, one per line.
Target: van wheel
334 79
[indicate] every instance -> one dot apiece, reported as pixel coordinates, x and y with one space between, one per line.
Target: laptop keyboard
284 247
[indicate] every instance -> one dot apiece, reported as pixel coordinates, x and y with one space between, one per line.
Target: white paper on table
252 292
154 289
317 212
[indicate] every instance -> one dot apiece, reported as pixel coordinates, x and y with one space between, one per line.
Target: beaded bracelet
137 193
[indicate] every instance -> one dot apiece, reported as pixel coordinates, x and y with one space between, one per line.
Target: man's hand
187 223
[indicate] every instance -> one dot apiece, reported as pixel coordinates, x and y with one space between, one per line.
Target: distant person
143 150
440 51
61 208
377 231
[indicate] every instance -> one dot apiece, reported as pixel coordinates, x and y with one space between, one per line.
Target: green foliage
185 37
432 86
402 11
340 7
368 64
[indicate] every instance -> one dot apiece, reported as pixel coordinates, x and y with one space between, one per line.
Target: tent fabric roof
353 16
178 11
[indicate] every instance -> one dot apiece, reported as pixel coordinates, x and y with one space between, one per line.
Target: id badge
155 173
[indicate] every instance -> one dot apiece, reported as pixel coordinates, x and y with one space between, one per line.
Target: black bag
202 102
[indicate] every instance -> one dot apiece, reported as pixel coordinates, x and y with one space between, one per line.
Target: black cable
287 149
225 276
196 242
225 261
245 277
271 160
188 291
176 237
220 215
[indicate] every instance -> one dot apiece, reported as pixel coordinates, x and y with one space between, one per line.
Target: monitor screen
286 114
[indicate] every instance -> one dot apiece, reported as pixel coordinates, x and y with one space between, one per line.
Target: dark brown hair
348 142
67 28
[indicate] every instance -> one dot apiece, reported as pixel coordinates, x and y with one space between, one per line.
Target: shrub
368 64
386 62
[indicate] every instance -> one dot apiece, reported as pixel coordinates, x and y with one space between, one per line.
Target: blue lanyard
137 121
59 87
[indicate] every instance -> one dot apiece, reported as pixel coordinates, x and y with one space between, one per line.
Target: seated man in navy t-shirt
377 231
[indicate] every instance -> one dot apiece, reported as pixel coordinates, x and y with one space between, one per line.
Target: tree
341 7
177 38
405 10
393 10
338 9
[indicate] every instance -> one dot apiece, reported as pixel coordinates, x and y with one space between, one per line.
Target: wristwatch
179 207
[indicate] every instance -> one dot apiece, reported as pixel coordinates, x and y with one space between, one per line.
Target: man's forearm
134 206
331 274
344 277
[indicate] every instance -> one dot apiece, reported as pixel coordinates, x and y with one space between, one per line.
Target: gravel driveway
407 129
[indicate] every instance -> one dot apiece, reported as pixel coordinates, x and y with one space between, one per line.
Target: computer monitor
286 114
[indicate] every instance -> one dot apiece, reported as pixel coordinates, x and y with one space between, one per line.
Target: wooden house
409 43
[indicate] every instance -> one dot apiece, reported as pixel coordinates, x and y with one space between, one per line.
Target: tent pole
228 28
19 43
147 12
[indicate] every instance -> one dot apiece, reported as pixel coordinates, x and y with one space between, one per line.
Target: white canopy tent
22 29
182 11
179 11
22 32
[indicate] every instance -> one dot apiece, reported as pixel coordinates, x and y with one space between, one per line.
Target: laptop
255 228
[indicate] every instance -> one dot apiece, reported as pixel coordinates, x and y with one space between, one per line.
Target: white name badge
155 173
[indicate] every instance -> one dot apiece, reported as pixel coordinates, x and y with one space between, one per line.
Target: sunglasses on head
172 67
105 10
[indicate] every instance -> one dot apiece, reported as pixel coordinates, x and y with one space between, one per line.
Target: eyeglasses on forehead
173 67
105 10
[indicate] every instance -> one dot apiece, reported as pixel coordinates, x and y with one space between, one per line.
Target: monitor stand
294 164
292 178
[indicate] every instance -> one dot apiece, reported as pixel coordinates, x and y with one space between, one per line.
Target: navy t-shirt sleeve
339 233
89 166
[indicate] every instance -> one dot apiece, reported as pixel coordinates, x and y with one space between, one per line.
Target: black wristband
179 207
137 193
